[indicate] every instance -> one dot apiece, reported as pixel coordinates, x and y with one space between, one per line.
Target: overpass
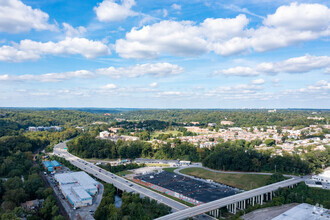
235 202
119 182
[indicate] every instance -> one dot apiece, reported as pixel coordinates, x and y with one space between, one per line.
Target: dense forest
20 180
133 207
241 118
223 158
19 172
14 122
87 146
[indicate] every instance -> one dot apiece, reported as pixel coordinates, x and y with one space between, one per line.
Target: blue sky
165 54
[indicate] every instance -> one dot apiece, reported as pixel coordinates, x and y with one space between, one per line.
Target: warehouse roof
56 164
47 163
76 177
81 193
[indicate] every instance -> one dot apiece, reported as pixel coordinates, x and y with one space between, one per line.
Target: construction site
184 188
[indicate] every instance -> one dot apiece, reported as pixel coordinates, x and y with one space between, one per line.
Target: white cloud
275 81
327 70
227 36
17 17
321 85
258 81
179 38
109 10
301 64
237 71
169 93
109 86
49 77
320 88
32 50
139 70
176 6
292 24
165 13
236 89
300 17
73 32
238 9
153 85
147 69
182 38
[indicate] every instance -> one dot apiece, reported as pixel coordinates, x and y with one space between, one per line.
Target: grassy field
121 173
240 181
156 165
155 134
170 169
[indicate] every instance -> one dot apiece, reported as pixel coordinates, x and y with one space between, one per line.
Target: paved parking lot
200 190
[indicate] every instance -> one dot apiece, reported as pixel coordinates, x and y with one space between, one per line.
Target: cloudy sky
165 54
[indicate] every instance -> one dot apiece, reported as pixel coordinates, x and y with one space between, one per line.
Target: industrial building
77 187
52 165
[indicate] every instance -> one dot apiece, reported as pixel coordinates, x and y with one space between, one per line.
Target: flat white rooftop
75 177
81 193
304 212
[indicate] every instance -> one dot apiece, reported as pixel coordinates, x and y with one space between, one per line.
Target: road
229 200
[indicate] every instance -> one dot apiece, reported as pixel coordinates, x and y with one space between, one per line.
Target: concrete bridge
236 202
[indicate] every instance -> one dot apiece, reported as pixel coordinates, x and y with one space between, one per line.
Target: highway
183 214
117 181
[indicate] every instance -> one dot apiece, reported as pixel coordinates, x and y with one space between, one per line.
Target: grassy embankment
126 172
170 169
156 133
240 181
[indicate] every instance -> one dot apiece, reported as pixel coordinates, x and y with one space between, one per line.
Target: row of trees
133 207
87 146
119 168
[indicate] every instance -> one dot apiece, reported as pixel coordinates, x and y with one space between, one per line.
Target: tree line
241 118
